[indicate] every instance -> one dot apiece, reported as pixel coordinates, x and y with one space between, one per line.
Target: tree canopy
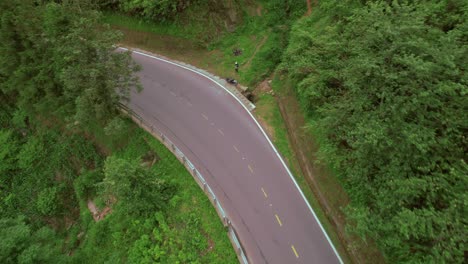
134 186
385 84
57 58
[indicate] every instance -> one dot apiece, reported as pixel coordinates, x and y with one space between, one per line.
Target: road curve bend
274 222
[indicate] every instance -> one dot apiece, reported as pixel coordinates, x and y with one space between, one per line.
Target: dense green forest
384 85
74 185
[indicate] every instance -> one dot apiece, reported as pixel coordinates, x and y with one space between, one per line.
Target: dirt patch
309 6
150 158
211 244
264 87
97 214
259 10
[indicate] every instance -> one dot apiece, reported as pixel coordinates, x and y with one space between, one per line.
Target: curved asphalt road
273 221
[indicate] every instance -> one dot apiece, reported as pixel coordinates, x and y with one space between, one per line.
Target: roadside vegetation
79 183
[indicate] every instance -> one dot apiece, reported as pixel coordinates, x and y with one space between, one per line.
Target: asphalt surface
222 140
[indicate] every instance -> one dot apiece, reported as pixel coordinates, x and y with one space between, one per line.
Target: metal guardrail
196 175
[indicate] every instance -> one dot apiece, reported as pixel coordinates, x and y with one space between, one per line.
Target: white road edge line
261 129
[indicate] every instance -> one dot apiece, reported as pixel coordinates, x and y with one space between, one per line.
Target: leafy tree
154 10
32 154
8 152
135 187
386 86
58 58
162 243
21 245
15 235
47 201
45 247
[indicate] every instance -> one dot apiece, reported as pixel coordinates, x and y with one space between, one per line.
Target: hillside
79 182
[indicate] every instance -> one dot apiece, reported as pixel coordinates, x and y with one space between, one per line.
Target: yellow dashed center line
264 193
278 219
220 131
204 116
294 250
235 148
250 169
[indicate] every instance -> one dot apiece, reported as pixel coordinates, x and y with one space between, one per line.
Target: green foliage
386 84
202 21
134 186
50 192
19 118
281 12
60 79
55 58
162 244
85 184
15 234
21 245
116 127
153 10
177 232
32 154
8 152
47 201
